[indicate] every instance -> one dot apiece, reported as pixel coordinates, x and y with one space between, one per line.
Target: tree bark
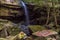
48 12
54 11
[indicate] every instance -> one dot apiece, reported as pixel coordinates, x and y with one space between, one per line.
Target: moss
14 30
35 28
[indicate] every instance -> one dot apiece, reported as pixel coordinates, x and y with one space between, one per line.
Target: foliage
14 30
36 2
39 2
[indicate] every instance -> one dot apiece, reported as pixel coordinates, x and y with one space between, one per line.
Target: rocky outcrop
15 13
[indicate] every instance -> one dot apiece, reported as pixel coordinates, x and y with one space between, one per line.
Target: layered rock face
37 14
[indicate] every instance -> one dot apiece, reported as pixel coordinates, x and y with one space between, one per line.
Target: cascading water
26 12
24 27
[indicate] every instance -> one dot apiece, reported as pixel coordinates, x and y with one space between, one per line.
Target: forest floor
34 28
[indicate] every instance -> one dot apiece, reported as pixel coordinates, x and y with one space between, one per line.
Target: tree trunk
55 17
48 15
48 12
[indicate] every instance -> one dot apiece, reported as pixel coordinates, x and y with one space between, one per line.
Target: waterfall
26 12
24 27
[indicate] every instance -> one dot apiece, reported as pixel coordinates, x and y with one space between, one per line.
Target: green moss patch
35 28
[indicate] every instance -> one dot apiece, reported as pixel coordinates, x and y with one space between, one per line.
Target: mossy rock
3 39
4 22
1 27
35 28
14 30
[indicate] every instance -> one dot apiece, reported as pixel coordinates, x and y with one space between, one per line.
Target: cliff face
9 8
7 11
38 14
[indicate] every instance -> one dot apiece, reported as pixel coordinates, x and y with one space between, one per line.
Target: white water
26 12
